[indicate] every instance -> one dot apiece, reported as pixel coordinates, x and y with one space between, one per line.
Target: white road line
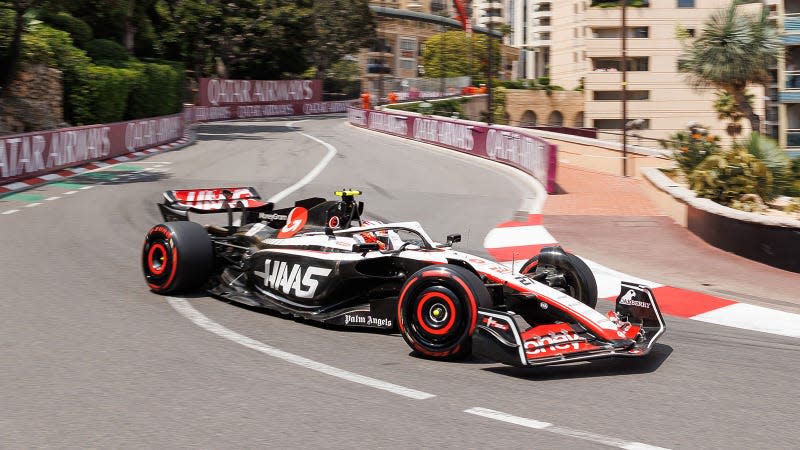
310 175
10 211
32 205
70 192
753 317
550 428
50 199
199 319
85 188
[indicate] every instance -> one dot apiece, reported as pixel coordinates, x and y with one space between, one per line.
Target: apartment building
585 50
787 14
530 25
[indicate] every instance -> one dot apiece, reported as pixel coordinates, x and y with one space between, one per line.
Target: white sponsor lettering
149 133
388 123
249 111
211 200
258 91
325 107
279 276
545 344
209 113
367 321
446 133
630 299
525 151
357 117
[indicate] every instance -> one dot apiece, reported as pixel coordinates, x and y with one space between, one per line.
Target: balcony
791 23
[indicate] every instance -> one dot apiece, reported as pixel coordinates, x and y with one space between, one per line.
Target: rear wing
179 203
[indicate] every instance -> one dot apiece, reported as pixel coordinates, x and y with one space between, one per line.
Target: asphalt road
90 358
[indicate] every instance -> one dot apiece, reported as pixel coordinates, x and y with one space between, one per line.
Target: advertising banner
217 92
529 153
214 113
32 154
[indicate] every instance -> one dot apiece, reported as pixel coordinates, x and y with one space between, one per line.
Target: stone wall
525 107
33 101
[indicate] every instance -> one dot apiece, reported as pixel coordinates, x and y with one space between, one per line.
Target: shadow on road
589 369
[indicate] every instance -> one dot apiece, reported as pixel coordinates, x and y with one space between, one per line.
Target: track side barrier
508 145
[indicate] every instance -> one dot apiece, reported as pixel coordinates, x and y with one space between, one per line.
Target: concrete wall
520 101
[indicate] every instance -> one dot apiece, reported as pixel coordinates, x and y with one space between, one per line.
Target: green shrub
103 97
777 161
691 147
79 31
156 91
731 177
106 50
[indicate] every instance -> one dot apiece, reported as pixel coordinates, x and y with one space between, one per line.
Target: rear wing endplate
179 203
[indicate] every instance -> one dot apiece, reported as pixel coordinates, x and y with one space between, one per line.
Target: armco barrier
526 152
30 155
33 154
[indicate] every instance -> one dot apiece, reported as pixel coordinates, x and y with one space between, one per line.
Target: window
690 32
616 124
407 63
614 32
685 3
408 44
635 64
617 95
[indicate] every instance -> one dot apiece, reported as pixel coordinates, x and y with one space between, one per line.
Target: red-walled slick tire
438 310
177 257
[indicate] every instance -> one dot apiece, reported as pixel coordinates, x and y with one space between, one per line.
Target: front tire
565 272
177 256
438 310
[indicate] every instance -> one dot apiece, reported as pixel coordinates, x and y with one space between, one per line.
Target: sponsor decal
163 230
271 217
211 199
490 322
33 153
210 113
541 345
325 107
294 223
368 321
450 134
630 299
292 279
333 222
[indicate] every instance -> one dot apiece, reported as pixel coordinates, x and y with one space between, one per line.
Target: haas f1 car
321 261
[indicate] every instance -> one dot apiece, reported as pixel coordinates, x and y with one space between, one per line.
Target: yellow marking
347 193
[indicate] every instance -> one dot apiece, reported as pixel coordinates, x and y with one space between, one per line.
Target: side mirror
364 248
453 239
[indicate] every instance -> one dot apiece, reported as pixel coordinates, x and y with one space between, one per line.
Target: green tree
341 27
735 49
447 55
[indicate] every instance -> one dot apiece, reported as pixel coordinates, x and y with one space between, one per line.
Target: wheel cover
436 313
157 258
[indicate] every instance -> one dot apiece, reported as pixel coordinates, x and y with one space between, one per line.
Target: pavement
609 221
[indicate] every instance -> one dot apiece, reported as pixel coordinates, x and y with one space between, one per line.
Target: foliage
440 107
155 91
79 31
727 109
794 188
691 147
448 54
106 50
46 45
341 27
731 177
733 50
104 94
777 161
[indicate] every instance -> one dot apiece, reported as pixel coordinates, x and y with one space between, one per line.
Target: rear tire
438 310
572 275
177 256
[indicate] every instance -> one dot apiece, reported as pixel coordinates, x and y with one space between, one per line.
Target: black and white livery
319 260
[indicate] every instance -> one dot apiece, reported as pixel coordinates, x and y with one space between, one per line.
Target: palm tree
735 49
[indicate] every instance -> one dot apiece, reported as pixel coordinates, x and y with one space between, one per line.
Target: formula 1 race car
321 261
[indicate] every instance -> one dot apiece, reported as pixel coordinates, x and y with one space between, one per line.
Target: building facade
787 13
585 51
530 26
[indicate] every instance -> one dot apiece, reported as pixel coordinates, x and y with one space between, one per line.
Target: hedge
80 32
103 97
106 50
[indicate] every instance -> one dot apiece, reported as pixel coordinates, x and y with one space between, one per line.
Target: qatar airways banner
32 154
528 153
214 113
216 92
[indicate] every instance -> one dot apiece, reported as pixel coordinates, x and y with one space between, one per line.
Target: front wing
506 337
